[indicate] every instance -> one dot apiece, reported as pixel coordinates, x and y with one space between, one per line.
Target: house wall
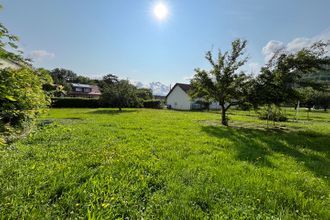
8 64
215 106
178 99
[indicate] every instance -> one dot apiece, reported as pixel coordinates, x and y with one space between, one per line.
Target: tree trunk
224 120
297 110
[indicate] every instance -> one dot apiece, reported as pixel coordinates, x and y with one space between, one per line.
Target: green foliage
65 77
278 80
144 93
21 96
322 100
307 96
159 164
272 113
157 104
70 102
222 83
120 94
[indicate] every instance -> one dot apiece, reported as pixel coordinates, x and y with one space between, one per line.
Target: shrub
71 102
21 99
21 95
272 113
152 104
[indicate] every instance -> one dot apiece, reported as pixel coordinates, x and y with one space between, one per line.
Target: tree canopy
280 78
224 83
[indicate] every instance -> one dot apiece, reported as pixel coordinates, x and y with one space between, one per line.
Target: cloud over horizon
41 54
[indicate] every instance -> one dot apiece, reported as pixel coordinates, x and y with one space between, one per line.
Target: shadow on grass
112 111
255 145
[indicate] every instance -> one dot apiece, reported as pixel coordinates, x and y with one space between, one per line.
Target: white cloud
299 43
271 48
293 46
41 54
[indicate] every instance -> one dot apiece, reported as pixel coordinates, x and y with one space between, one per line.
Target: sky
124 37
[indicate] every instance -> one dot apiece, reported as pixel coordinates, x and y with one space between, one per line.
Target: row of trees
280 82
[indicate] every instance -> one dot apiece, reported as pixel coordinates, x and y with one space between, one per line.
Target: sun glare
160 11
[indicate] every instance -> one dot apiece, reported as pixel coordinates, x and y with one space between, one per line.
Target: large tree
119 94
223 83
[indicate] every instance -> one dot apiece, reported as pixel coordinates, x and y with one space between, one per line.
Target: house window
88 90
77 89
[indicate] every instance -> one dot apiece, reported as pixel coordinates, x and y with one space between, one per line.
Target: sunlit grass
153 164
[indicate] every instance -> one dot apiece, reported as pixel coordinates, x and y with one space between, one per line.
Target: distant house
84 91
179 98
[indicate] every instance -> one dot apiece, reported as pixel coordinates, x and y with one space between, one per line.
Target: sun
160 11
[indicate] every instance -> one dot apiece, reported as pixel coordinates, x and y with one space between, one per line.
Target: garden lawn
156 164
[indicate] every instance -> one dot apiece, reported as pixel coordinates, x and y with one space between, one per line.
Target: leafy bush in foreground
22 98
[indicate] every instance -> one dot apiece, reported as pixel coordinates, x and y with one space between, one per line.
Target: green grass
159 164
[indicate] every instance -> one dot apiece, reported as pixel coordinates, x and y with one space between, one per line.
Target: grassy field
160 164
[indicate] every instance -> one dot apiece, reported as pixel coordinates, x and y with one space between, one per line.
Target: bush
120 94
152 104
21 96
21 99
272 113
70 102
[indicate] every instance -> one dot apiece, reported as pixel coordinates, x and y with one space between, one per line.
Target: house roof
95 90
183 86
81 85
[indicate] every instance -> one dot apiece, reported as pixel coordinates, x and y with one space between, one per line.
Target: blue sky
123 37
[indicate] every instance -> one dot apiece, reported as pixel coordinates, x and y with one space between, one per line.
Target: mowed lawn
161 164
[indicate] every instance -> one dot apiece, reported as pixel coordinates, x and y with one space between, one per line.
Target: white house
178 98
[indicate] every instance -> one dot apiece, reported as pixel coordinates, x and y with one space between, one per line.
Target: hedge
152 104
70 102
